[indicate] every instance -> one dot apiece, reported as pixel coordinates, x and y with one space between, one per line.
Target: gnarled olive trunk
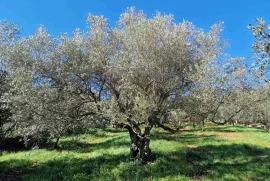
140 147
140 144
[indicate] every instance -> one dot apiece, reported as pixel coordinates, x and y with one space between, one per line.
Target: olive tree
213 87
136 75
261 49
153 65
8 34
52 84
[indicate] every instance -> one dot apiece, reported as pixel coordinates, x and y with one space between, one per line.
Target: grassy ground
217 153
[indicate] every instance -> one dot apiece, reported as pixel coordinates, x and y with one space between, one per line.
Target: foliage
5 115
261 46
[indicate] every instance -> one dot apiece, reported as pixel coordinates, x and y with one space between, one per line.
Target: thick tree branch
166 128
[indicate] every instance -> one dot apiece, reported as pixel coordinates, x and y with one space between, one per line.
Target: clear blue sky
66 15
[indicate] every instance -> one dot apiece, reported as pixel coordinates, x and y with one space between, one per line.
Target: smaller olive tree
52 81
9 32
260 98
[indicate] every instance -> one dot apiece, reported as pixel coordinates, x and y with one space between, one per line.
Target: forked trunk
140 148
140 143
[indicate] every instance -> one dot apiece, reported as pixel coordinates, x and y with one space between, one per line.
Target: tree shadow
115 130
100 133
66 168
235 161
14 169
84 147
79 146
187 139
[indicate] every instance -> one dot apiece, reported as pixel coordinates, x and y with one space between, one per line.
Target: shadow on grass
14 169
115 130
84 147
233 161
104 133
120 141
188 138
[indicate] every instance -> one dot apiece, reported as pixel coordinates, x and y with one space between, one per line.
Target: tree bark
140 147
139 143
56 143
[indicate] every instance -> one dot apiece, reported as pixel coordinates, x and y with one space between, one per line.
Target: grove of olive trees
139 74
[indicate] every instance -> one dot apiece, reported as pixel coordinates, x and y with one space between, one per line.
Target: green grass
217 153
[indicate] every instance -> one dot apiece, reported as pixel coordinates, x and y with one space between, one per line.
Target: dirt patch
229 135
178 136
204 134
262 156
192 146
14 174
